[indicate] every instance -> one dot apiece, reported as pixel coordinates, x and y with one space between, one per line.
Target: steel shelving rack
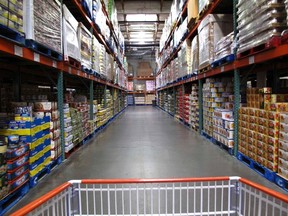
234 67
56 71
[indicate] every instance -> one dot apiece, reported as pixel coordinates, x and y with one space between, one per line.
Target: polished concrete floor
145 142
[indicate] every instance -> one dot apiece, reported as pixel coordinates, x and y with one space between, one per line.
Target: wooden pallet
273 42
12 35
73 62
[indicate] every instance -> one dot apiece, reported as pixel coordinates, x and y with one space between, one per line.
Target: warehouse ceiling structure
141 23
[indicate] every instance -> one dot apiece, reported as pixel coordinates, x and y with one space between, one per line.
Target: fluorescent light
141 39
283 78
141 17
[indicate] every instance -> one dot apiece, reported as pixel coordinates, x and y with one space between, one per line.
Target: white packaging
211 29
42 22
70 40
85 42
195 54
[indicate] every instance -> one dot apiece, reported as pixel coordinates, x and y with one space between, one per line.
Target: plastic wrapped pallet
42 22
11 14
70 40
85 41
203 3
211 29
224 46
96 54
195 55
259 21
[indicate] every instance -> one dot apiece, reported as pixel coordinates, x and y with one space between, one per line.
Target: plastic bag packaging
70 40
224 46
258 21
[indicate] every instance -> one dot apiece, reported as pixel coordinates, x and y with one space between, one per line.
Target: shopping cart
169 197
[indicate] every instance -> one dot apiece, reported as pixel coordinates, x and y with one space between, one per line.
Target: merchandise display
261 21
42 23
211 29
71 45
224 46
139 100
195 55
149 98
11 14
194 108
85 42
217 94
150 85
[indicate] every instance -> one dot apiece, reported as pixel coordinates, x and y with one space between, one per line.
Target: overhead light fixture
141 17
283 78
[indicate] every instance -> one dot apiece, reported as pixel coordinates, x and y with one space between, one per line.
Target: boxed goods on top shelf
150 85
180 33
260 20
144 69
71 45
195 55
11 14
42 23
192 9
85 42
211 29
224 46
194 108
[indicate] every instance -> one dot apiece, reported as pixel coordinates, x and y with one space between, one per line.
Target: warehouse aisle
145 142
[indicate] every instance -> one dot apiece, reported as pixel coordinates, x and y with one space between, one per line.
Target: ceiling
141 23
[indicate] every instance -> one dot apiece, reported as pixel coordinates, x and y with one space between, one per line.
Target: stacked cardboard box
71 45
262 128
170 103
211 29
85 43
140 100
216 94
11 14
179 102
50 109
223 126
149 98
42 22
283 146
76 123
68 129
144 69
195 55
194 108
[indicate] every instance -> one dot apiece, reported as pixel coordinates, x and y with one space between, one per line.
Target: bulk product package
194 108
43 23
217 94
202 4
259 21
224 46
11 14
85 42
195 55
71 45
211 29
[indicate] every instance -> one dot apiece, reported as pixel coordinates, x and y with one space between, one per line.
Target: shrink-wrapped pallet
286 7
96 54
11 14
202 4
211 29
85 41
71 46
195 55
224 46
259 21
42 23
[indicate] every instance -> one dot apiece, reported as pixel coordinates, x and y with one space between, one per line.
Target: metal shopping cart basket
169 197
